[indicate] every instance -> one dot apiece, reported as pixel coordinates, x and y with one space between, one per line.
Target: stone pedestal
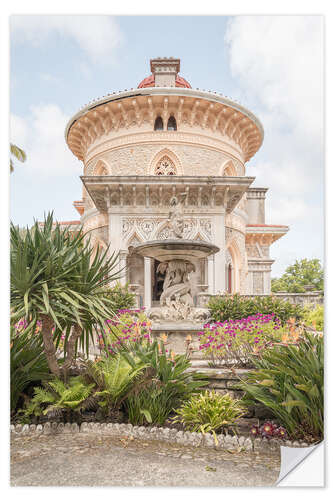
177 333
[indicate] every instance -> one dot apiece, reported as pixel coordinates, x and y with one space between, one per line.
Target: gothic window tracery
165 167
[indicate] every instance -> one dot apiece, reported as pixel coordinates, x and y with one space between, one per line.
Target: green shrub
114 378
289 380
226 307
209 412
120 297
57 397
314 317
28 364
166 385
152 405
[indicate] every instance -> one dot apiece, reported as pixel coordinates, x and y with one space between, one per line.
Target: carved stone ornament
165 167
176 215
178 312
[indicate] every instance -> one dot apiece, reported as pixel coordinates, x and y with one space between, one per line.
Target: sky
273 65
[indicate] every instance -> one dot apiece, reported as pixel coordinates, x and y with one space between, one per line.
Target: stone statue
177 286
176 215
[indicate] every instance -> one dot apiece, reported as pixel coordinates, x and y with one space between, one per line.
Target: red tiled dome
150 82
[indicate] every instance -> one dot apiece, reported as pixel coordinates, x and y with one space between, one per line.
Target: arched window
172 124
165 167
158 123
229 169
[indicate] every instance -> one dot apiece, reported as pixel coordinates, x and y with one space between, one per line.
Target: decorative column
115 239
218 232
147 282
210 272
122 267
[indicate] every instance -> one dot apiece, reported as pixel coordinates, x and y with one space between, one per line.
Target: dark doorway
158 283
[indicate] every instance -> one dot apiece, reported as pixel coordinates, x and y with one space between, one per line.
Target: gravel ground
95 460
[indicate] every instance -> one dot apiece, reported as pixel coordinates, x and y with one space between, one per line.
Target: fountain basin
166 250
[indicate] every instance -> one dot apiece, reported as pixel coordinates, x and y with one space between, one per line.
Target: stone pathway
95 460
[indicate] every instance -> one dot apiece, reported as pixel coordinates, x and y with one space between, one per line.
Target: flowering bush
226 307
268 430
128 327
24 325
231 342
30 329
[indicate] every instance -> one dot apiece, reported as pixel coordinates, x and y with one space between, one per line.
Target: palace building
143 146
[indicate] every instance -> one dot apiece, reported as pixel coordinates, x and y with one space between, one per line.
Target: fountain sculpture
176 256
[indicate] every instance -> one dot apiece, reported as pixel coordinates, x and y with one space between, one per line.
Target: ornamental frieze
139 138
158 228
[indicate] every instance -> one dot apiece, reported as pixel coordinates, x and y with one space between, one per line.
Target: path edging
225 442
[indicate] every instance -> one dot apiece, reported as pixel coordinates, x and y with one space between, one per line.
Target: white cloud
47 77
278 62
97 36
18 131
42 137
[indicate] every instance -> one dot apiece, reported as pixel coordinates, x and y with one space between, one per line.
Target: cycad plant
58 397
55 279
167 383
289 380
115 379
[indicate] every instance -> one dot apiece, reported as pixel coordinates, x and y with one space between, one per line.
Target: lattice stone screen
165 167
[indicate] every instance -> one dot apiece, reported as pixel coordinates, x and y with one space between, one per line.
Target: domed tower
141 147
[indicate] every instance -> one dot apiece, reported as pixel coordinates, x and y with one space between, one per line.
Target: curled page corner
292 457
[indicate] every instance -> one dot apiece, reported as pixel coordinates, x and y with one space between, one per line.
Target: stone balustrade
303 299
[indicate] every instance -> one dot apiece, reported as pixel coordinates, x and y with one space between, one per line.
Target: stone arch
236 265
101 168
228 169
168 154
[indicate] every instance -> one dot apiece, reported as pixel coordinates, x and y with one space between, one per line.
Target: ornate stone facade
144 146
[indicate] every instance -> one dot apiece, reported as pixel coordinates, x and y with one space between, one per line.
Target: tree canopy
57 279
296 278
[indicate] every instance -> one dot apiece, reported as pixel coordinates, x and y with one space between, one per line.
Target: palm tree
19 155
55 280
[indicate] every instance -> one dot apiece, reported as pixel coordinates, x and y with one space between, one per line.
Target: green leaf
147 414
267 383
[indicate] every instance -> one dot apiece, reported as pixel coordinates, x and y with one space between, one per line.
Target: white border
131 7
